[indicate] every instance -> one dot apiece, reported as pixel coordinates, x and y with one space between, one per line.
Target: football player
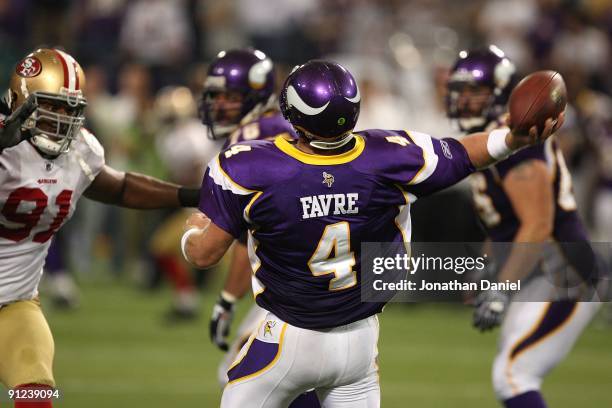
47 161
185 152
526 198
239 104
307 206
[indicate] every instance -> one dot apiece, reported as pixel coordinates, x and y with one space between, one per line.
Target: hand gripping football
537 97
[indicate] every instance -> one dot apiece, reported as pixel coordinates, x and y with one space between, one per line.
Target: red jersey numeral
30 219
63 202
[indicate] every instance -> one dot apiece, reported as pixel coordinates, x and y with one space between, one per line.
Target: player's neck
41 153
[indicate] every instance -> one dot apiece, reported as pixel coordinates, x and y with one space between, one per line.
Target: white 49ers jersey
37 196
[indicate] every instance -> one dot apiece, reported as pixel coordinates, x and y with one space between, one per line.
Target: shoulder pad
92 142
247 164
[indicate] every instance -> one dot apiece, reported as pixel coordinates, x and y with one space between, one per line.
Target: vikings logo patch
29 67
328 179
268 327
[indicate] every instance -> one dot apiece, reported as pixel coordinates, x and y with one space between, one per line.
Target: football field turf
115 351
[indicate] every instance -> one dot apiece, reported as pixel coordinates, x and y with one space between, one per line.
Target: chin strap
216 132
47 146
335 144
222 131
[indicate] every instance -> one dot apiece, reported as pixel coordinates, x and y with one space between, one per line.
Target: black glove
11 133
490 308
221 320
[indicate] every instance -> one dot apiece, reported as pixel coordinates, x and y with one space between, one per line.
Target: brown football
537 97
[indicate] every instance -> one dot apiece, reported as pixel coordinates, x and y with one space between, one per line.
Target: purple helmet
321 100
238 88
487 68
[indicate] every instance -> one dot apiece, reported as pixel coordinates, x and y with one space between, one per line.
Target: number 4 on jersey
336 238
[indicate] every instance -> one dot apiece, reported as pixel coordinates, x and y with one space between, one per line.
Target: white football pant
280 362
535 337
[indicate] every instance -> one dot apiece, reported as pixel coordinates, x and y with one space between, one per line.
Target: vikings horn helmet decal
321 100
293 99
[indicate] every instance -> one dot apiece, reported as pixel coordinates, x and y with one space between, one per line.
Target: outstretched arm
447 161
485 148
134 190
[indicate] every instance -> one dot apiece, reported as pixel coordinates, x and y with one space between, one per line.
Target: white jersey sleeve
37 196
89 154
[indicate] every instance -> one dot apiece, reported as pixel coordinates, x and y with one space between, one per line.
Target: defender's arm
134 190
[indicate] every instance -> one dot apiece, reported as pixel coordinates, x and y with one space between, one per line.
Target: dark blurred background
145 62
400 52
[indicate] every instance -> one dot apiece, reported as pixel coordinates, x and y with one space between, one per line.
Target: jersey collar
318 159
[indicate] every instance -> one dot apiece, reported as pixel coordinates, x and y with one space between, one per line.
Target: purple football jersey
308 214
494 206
267 126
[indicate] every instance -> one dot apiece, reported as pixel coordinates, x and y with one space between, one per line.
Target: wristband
227 300
184 239
188 197
496 144
228 297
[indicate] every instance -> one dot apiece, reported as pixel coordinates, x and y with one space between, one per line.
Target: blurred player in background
526 198
597 110
47 161
238 105
308 205
185 152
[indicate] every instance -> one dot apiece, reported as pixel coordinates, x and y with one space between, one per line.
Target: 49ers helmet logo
29 67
